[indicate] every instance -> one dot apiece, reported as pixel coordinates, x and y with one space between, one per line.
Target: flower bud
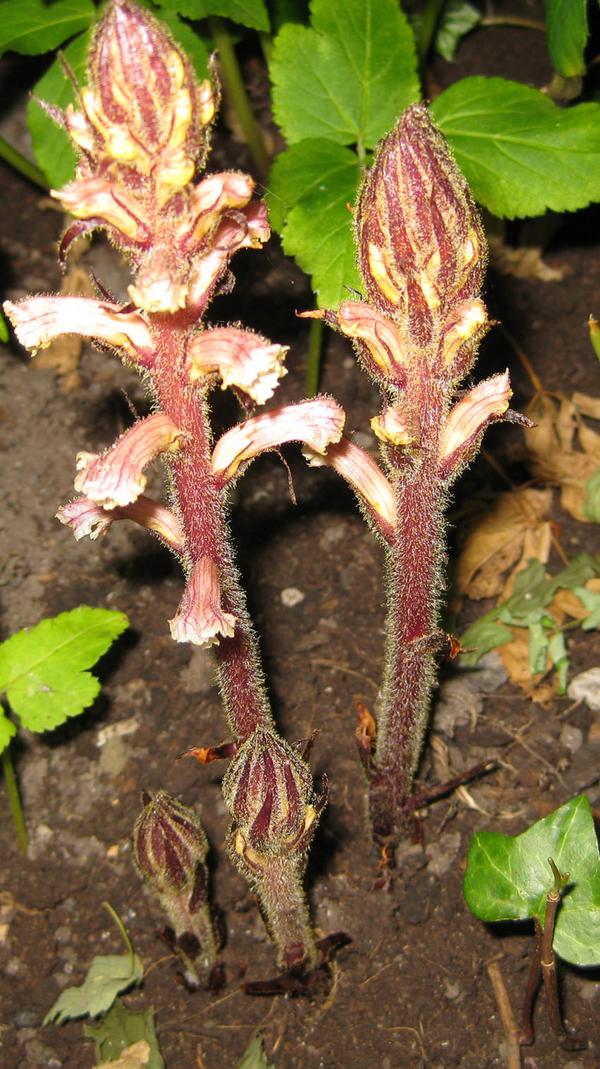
170 849
420 241
269 793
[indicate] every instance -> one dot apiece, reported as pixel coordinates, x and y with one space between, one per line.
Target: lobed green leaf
348 76
33 26
508 878
121 1028
458 18
567 33
520 153
43 670
109 975
252 13
310 188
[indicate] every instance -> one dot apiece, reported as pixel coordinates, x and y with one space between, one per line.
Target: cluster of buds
170 848
142 127
269 793
421 254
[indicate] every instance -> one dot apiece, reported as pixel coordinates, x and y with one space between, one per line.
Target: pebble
40 1054
456 706
26 1019
586 687
291 596
199 677
114 757
442 853
571 738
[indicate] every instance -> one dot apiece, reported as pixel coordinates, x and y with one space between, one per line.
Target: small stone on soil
586 687
291 596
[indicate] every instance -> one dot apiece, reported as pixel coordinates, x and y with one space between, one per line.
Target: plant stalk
236 90
14 800
315 350
20 163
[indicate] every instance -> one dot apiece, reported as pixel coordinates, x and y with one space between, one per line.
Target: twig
513 1052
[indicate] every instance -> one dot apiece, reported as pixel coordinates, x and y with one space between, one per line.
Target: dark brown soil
412 989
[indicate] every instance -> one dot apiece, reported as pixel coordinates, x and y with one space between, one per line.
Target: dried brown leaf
515 529
565 452
136 1056
526 262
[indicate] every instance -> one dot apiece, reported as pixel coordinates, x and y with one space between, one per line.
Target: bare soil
412 989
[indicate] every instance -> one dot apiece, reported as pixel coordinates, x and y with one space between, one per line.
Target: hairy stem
280 891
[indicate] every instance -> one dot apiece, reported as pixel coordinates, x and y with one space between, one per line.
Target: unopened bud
420 241
170 849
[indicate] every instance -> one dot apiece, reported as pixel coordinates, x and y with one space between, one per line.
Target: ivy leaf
457 20
121 1028
52 145
348 76
567 33
109 975
43 670
252 13
520 153
508 878
33 27
310 188
255 1056
591 600
591 505
482 636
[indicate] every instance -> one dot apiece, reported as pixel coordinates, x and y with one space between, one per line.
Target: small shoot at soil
255 1055
550 874
44 680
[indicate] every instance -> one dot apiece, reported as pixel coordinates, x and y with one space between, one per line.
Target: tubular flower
241 359
379 343
86 517
365 477
213 196
39 320
116 478
420 240
482 405
317 423
392 426
200 618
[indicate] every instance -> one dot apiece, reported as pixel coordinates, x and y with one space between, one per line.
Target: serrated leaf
320 179
591 506
255 1056
120 1029
482 636
520 153
33 27
52 146
508 878
109 975
458 18
43 670
567 33
252 13
348 76
7 730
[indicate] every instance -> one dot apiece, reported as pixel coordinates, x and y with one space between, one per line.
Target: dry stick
513 1053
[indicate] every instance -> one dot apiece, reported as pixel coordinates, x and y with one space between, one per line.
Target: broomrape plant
141 128
422 258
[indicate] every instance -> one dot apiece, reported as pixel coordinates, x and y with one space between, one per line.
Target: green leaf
591 600
109 975
43 670
520 153
7 730
310 188
4 331
567 33
252 13
255 1056
33 27
557 652
458 18
52 145
538 647
591 505
121 1028
508 878
348 77
482 636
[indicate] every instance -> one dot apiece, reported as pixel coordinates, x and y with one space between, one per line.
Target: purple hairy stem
421 254
142 128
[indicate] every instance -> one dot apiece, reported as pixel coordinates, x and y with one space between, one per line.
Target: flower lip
86 517
365 477
200 619
484 403
242 359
